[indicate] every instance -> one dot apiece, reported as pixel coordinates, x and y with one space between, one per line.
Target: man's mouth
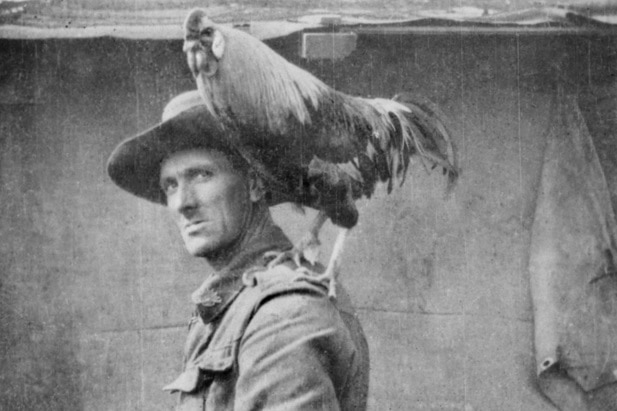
194 226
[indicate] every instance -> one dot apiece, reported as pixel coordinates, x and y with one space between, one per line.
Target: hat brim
135 163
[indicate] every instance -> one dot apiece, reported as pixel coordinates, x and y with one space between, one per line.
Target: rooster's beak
189 45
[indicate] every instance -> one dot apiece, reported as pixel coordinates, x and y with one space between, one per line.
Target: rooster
313 145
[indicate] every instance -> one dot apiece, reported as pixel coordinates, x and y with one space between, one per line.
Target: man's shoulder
286 278
285 282
279 290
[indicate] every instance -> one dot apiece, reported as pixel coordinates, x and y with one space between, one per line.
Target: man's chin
208 250
211 248
200 250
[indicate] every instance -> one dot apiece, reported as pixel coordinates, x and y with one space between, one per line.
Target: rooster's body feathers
315 146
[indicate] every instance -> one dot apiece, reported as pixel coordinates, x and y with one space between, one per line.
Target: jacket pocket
187 382
200 372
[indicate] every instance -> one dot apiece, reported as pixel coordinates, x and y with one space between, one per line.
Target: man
261 337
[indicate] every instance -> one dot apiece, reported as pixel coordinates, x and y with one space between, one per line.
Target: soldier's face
208 198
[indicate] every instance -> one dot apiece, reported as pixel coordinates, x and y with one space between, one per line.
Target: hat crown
181 103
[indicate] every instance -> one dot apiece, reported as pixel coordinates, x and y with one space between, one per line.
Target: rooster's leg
333 265
307 247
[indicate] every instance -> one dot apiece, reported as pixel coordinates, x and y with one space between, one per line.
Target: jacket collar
221 287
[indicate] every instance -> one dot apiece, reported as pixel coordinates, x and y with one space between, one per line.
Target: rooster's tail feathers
431 138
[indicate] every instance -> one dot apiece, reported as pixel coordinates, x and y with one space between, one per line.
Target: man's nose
183 200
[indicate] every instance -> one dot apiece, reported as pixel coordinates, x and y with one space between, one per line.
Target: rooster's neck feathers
257 86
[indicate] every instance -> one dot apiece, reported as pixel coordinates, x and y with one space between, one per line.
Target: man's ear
257 188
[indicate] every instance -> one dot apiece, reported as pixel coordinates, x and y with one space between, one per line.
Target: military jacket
271 339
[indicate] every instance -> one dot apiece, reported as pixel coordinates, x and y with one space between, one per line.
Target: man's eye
169 187
206 32
203 174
